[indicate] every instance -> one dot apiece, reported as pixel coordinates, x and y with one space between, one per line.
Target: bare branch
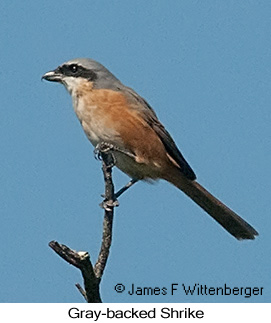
92 275
82 261
108 204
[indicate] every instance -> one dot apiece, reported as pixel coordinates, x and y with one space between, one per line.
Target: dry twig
92 274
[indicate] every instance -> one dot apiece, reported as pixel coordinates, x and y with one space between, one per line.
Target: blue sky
204 66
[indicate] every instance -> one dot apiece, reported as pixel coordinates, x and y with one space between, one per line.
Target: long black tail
229 220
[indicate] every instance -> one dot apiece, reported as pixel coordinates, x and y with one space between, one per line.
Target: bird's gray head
71 74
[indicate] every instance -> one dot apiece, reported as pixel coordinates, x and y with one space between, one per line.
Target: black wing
171 148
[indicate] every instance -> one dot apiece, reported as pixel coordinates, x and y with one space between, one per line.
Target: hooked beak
52 76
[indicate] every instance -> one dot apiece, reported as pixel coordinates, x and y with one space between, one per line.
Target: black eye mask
77 71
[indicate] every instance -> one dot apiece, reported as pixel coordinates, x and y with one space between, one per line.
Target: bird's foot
108 205
105 148
102 147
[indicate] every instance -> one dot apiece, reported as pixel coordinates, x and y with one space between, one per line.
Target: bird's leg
125 187
104 151
120 192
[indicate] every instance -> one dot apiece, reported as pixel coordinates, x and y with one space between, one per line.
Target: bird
113 113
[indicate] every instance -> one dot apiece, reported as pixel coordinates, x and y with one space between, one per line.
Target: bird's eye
73 68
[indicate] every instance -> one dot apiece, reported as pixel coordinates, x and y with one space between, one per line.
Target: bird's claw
108 205
104 148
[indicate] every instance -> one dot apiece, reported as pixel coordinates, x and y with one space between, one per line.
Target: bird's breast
107 116
94 109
